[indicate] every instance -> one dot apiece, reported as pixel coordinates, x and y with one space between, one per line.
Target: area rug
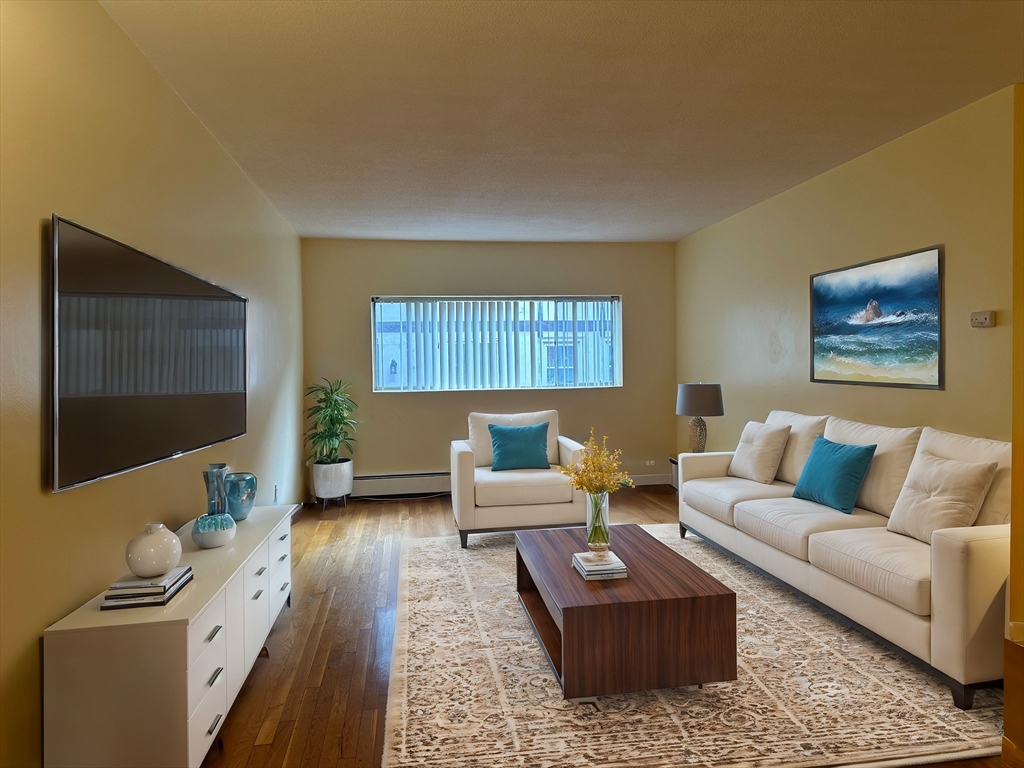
470 685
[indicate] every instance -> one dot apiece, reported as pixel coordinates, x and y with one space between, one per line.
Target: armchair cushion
480 437
524 447
521 486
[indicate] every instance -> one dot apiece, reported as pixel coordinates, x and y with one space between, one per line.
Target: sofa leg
682 531
963 695
464 538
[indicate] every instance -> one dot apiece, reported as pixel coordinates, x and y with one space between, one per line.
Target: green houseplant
330 429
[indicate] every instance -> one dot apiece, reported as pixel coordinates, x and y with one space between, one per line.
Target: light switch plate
985 319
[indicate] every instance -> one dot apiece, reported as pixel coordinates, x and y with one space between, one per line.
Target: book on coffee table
595 566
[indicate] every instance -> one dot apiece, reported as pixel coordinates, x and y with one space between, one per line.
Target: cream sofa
485 501
943 602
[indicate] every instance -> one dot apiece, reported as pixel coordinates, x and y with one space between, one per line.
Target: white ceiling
560 120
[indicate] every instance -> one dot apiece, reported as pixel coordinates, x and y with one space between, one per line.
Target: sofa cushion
716 496
893 567
834 473
480 437
760 449
520 486
522 447
804 430
940 493
787 523
891 462
947 445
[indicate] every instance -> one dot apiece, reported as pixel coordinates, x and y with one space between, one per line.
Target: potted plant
331 425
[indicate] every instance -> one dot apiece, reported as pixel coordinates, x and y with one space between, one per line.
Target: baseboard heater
439 482
399 485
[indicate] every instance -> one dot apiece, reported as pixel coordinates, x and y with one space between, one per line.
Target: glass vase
597 522
216 489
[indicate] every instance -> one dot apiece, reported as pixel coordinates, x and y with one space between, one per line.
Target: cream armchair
486 501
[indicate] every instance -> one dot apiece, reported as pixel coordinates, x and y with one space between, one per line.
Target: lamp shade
699 400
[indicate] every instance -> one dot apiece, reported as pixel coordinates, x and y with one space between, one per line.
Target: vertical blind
133 345
431 344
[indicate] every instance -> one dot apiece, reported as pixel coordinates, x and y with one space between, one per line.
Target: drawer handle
216 630
214 726
261 571
282 558
216 676
284 586
257 595
283 537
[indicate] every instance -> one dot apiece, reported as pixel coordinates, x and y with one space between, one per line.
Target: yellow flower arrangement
598 471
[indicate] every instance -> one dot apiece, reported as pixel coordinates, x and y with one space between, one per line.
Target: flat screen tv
149 361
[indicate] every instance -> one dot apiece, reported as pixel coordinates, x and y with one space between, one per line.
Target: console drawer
205 630
204 675
205 723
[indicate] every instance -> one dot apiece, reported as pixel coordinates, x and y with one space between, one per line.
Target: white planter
153 552
332 481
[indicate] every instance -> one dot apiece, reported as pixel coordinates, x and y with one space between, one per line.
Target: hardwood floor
320 697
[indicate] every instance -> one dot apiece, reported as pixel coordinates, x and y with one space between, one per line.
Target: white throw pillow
940 493
760 450
804 431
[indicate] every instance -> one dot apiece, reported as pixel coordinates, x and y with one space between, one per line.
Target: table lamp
699 400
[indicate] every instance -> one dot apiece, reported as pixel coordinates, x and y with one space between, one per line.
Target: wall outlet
650 462
275 493
985 319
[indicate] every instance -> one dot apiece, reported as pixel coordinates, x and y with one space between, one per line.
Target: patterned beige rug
471 687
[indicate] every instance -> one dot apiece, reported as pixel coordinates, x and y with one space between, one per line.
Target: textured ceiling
495 120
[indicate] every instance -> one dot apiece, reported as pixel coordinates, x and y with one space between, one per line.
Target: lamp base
698 434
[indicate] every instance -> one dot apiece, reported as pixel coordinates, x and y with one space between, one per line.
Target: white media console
151 686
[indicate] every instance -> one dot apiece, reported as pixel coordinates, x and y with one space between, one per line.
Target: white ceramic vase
153 552
332 481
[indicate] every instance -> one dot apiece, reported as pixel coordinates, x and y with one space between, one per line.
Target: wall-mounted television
149 361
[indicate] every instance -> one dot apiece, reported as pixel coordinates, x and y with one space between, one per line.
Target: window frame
617 351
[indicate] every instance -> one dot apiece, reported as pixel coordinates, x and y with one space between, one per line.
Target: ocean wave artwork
879 322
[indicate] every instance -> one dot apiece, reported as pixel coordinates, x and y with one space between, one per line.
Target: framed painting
880 322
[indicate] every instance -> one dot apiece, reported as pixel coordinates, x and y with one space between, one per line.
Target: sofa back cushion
890 464
947 445
940 493
804 430
759 451
480 437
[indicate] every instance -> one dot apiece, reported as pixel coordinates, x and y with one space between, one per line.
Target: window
435 344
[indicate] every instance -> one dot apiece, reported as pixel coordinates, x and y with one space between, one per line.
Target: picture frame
880 323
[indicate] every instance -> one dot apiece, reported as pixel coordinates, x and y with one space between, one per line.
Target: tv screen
149 360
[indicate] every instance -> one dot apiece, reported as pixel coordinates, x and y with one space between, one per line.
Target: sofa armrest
569 451
696 465
970 567
463 477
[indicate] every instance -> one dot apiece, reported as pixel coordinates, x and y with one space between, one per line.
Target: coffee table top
656 572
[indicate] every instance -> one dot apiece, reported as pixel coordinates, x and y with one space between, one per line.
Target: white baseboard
394 485
665 479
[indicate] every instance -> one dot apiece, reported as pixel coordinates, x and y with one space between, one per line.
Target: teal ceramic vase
216 528
241 492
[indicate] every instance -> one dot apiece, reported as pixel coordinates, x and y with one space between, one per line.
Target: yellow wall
743 290
91 131
411 432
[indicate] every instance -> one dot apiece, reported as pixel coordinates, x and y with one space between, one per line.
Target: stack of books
598 566
136 592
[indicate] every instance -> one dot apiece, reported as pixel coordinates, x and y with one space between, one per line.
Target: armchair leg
464 538
963 695
682 531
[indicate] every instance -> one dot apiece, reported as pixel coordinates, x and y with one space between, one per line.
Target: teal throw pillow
523 447
834 473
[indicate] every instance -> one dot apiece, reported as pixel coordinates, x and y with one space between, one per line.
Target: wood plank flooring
321 696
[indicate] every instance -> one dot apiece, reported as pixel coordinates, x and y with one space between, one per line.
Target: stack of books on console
598 566
136 592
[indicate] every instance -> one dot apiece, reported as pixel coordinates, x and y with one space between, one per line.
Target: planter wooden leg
344 501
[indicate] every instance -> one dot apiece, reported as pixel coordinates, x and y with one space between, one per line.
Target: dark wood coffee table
667 624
